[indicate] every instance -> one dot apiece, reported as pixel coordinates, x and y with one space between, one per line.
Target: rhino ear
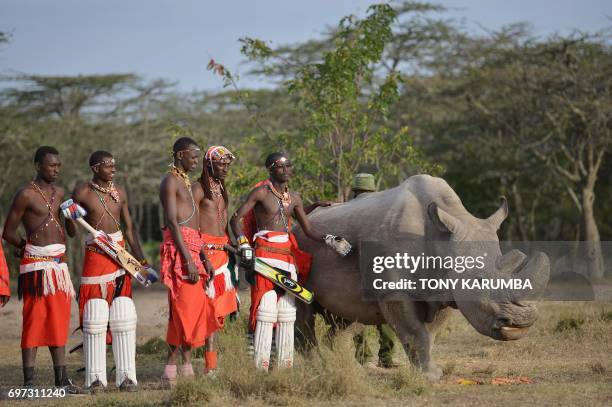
444 221
500 214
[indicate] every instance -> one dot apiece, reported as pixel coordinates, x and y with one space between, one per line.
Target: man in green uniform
364 183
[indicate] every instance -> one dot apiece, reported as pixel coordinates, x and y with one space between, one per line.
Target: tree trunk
593 254
149 222
520 212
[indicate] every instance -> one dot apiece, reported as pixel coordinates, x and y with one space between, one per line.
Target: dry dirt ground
567 357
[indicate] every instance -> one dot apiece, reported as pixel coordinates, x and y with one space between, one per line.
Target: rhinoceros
422 207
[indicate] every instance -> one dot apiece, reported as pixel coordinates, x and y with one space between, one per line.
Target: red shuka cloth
46 319
4 275
224 301
192 318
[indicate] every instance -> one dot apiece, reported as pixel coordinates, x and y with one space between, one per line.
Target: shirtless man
274 205
105 295
211 197
192 317
44 279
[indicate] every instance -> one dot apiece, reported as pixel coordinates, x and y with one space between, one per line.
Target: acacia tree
63 96
576 76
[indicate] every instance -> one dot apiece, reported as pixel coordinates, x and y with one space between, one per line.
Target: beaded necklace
181 174
284 201
217 195
103 202
111 190
285 197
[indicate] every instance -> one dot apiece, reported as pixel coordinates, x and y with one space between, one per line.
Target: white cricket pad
123 328
266 317
95 322
285 331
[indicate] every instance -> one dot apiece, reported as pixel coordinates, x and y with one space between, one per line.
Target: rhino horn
443 220
537 270
500 214
511 261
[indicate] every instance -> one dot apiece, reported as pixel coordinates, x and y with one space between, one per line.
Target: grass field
567 356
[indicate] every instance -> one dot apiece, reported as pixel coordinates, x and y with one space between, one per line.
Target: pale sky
174 39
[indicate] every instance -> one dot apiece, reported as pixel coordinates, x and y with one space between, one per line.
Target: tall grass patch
569 324
195 392
327 372
408 381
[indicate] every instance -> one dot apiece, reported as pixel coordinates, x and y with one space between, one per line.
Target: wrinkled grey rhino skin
422 207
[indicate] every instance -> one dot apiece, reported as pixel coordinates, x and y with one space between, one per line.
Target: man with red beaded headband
273 206
191 316
44 279
105 295
211 197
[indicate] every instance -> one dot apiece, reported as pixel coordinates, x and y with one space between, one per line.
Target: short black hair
98 156
183 143
271 159
41 152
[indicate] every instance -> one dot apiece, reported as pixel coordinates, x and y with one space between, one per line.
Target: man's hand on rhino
339 244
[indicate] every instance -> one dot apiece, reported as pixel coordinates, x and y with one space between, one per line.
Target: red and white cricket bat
144 275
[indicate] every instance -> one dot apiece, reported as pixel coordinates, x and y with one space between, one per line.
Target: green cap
363 182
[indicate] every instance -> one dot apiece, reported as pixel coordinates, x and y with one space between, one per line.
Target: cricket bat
280 279
145 276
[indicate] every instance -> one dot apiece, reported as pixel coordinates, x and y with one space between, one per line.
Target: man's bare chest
39 210
273 213
215 204
184 197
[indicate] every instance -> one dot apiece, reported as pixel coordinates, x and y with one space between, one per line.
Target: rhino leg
438 323
406 318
